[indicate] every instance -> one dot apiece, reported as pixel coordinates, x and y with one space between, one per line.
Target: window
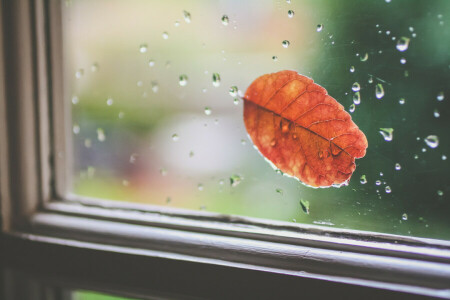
130 101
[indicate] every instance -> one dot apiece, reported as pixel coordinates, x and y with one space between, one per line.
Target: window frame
36 210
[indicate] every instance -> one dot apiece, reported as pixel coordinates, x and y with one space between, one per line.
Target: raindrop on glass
175 137
440 193
364 57
436 113
440 96
236 101
319 28
94 67
398 167
363 179
151 63
404 217
225 20
133 158
304 204
109 101
285 43
155 86
402 44
216 79
200 187
274 58
76 129
143 48
290 13
79 73
352 108
444 157
279 191
357 98
177 23
402 60
87 143
432 141
75 100
378 182
356 87
387 133
352 69
165 35
183 79
401 101
233 91
187 16
207 111
388 189
370 80
379 91
100 134
235 180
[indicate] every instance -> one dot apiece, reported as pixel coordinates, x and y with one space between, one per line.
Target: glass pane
153 123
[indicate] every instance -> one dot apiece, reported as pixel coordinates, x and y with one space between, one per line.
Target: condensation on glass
155 92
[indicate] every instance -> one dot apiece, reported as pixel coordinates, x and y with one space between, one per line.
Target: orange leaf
302 130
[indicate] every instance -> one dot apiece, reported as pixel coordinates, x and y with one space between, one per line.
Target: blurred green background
138 135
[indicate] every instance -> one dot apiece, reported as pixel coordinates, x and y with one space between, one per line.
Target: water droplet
151 63
363 179
304 204
243 142
388 32
233 91
440 193
236 101
200 187
290 13
109 101
381 174
274 58
364 57
370 80
143 48
168 200
416 156
411 29
401 101
87 143
177 23
94 67
183 80
139 83
436 113
187 16
402 44
398 167
387 133
75 100
404 217
388 189
440 96
225 20
216 79
432 141
100 134
207 111
79 73
444 157
285 43
133 158
378 182
352 69
279 191
352 108
76 129
165 35
163 171
402 60
319 27
235 180
121 115
273 143
379 91
356 87
357 98
424 150
155 86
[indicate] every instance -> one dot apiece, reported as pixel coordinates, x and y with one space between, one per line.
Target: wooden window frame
37 213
